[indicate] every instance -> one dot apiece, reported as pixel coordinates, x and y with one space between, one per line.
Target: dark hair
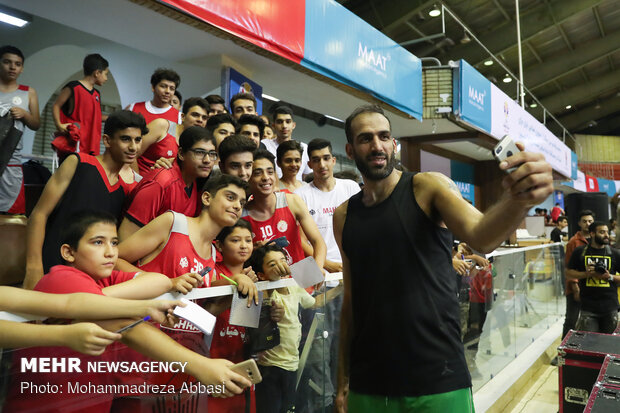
562 218
94 62
348 174
123 119
258 256
318 144
12 50
248 119
219 181
537 210
226 231
215 100
179 95
165 74
593 226
290 145
584 213
282 110
273 131
216 120
261 153
191 102
193 134
242 95
359 111
235 144
76 227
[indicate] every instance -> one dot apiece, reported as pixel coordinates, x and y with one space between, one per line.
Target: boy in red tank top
79 102
275 214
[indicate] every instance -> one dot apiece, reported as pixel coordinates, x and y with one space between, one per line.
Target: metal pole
521 92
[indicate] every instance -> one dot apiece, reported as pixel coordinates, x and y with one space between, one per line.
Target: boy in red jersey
275 214
175 189
79 102
164 82
90 250
83 182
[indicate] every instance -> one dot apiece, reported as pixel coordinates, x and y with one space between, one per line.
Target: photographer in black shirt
596 266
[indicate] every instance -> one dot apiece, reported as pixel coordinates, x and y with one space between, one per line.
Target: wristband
611 278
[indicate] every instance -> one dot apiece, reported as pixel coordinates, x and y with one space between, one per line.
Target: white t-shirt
272 146
322 205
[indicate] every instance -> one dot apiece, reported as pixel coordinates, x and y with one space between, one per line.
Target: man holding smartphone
405 304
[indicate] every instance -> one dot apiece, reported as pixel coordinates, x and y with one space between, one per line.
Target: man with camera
595 265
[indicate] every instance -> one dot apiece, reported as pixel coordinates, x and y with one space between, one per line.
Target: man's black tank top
89 189
406 328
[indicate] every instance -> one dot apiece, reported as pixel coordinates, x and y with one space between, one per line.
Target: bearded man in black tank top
400 345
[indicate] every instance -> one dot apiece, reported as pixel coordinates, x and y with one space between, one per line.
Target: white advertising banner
580 183
508 118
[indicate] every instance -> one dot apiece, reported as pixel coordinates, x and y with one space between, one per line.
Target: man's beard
601 240
375 174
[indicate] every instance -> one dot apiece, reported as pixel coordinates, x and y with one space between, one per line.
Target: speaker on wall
597 202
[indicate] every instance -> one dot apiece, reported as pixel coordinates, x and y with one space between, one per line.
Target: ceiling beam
581 118
561 64
603 126
504 37
584 92
411 9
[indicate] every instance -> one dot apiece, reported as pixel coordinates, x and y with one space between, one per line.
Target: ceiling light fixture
434 12
568 106
265 96
13 20
507 78
488 62
534 105
465 39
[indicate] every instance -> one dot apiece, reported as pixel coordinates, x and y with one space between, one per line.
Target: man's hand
460 266
186 282
532 182
63 127
250 273
217 371
480 261
246 287
165 163
88 338
276 312
17 112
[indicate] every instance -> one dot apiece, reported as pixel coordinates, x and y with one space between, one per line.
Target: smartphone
504 149
281 242
249 370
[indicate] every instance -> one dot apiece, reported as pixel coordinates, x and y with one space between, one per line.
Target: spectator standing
557 234
164 82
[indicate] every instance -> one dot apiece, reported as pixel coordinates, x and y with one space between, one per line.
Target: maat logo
372 58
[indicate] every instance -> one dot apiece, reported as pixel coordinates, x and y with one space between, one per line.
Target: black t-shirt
556 235
597 296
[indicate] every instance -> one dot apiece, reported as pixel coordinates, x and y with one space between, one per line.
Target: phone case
249 370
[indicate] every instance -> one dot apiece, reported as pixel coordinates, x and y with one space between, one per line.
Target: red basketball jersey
151 112
165 148
86 110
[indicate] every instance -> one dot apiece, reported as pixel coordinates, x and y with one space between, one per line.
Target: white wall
55 52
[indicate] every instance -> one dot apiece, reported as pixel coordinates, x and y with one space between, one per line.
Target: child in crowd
278 366
89 250
288 159
176 189
19 105
237 156
221 126
164 82
87 338
235 245
83 182
79 102
174 244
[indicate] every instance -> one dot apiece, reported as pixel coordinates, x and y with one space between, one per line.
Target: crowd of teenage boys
186 191
191 193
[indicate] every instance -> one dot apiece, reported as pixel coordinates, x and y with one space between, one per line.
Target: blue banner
573 165
468 191
558 198
234 82
340 45
606 185
473 102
